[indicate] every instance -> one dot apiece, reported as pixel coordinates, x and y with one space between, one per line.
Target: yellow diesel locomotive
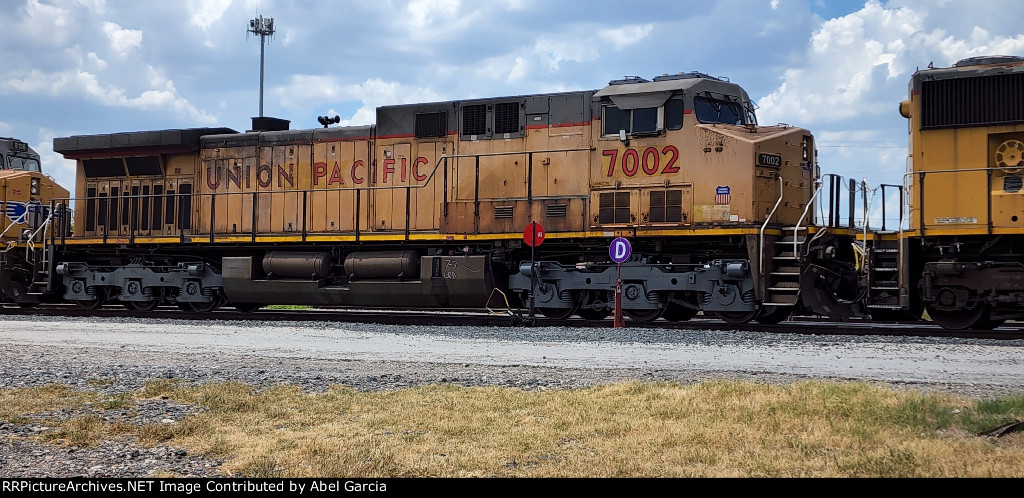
427 208
963 249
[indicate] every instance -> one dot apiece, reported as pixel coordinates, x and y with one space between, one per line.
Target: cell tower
264 27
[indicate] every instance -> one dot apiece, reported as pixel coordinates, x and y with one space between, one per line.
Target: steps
884 275
783 286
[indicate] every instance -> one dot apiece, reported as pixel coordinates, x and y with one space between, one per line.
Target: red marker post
533 235
619 251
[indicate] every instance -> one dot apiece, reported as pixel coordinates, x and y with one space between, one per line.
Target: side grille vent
503 212
474 119
555 210
666 206
614 207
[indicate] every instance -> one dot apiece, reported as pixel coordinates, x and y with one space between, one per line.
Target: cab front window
22 163
642 120
717 111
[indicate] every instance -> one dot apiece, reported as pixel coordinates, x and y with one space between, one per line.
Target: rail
760 265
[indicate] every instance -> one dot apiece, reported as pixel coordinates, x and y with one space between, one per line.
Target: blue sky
837 68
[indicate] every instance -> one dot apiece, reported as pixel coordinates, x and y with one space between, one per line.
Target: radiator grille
666 206
614 207
978 101
506 117
474 119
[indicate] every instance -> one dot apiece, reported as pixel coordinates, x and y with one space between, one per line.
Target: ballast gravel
118 355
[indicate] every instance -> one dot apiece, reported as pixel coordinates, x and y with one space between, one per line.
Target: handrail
175 198
760 265
810 203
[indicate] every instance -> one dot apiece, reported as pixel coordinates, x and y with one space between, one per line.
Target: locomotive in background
426 208
27 200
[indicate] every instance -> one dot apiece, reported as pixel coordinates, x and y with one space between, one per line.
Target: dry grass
721 429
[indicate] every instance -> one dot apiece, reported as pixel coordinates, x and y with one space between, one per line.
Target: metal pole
618 321
262 37
533 268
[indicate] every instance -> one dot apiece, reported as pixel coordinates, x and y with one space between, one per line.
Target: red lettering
289 176
416 169
670 167
651 167
263 180
213 177
320 171
336 175
389 168
234 175
611 164
628 169
403 170
358 180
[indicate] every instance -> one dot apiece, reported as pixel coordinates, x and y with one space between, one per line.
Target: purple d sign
620 250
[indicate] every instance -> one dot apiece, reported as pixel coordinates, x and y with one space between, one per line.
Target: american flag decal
722 195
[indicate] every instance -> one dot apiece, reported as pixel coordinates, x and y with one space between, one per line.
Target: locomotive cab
29 219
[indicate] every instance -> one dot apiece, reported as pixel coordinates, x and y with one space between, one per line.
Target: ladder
883 262
783 280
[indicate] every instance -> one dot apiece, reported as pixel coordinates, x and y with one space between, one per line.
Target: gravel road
74 351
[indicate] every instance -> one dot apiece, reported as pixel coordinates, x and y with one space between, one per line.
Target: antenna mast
263 27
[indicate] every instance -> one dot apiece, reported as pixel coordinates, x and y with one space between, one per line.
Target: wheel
736 317
247 307
201 307
558 313
89 304
773 315
142 305
959 319
644 315
987 323
678 313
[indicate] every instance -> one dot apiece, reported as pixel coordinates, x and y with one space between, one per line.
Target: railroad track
506 318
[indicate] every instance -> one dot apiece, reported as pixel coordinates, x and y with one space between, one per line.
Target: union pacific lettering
336 174
242 178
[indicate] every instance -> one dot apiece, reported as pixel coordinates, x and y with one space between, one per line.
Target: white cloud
374 92
626 35
96 62
206 13
554 52
122 40
423 13
858 64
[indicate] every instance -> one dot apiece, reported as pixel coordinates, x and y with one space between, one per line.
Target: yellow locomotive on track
965 240
427 208
27 201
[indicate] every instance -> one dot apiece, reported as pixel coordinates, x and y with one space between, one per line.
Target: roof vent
628 80
264 123
684 76
989 60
